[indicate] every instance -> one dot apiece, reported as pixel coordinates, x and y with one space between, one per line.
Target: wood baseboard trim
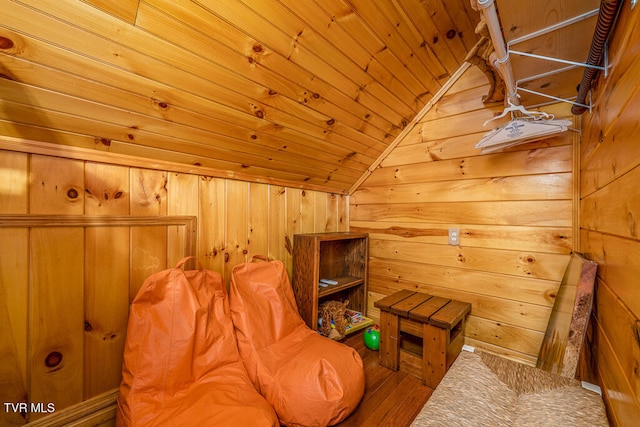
98 410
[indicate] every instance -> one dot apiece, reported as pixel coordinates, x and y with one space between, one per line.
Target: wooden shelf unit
342 257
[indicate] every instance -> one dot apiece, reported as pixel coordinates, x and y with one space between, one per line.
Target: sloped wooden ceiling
308 92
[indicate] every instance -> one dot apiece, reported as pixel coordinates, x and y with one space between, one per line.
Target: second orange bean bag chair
310 380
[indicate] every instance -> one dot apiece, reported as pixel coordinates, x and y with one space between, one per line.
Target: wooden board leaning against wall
515 211
65 290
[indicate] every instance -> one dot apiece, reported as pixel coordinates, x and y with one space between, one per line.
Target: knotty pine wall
514 210
610 221
65 290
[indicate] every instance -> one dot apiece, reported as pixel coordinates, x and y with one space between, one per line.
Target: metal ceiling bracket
563 61
556 98
547 74
552 28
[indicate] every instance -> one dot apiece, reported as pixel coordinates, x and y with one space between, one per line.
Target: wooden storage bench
405 318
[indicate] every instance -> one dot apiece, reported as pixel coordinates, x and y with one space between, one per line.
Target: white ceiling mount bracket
568 101
554 27
562 61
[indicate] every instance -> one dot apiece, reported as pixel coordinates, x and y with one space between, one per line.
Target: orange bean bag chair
310 380
181 362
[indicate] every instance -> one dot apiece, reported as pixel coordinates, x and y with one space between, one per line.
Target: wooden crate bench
405 318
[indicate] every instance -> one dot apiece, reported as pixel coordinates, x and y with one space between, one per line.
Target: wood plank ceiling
308 93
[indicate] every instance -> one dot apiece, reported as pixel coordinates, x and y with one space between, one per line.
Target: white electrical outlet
454 236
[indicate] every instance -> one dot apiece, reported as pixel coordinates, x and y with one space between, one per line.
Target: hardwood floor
390 398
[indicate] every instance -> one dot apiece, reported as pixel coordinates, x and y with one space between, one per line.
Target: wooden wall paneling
549 186
504 335
523 162
320 212
116 198
148 197
422 149
237 229
514 210
258 220
553 213
344 223
294 202
618 267
620 398
182 196
107 189
56 305
464 102
602 159
621 90
14 285
610 161
544 239
527 264
107 283
212 223
278 222
534 291
307 211
149 252
332 216
520 357
56 186
106 302
451 104
605 211
148 193
100 154
56 316
615 321
14 179
99 411
106 267
372 311
517 313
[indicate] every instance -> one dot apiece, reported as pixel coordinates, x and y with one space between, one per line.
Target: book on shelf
358 321
355 321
